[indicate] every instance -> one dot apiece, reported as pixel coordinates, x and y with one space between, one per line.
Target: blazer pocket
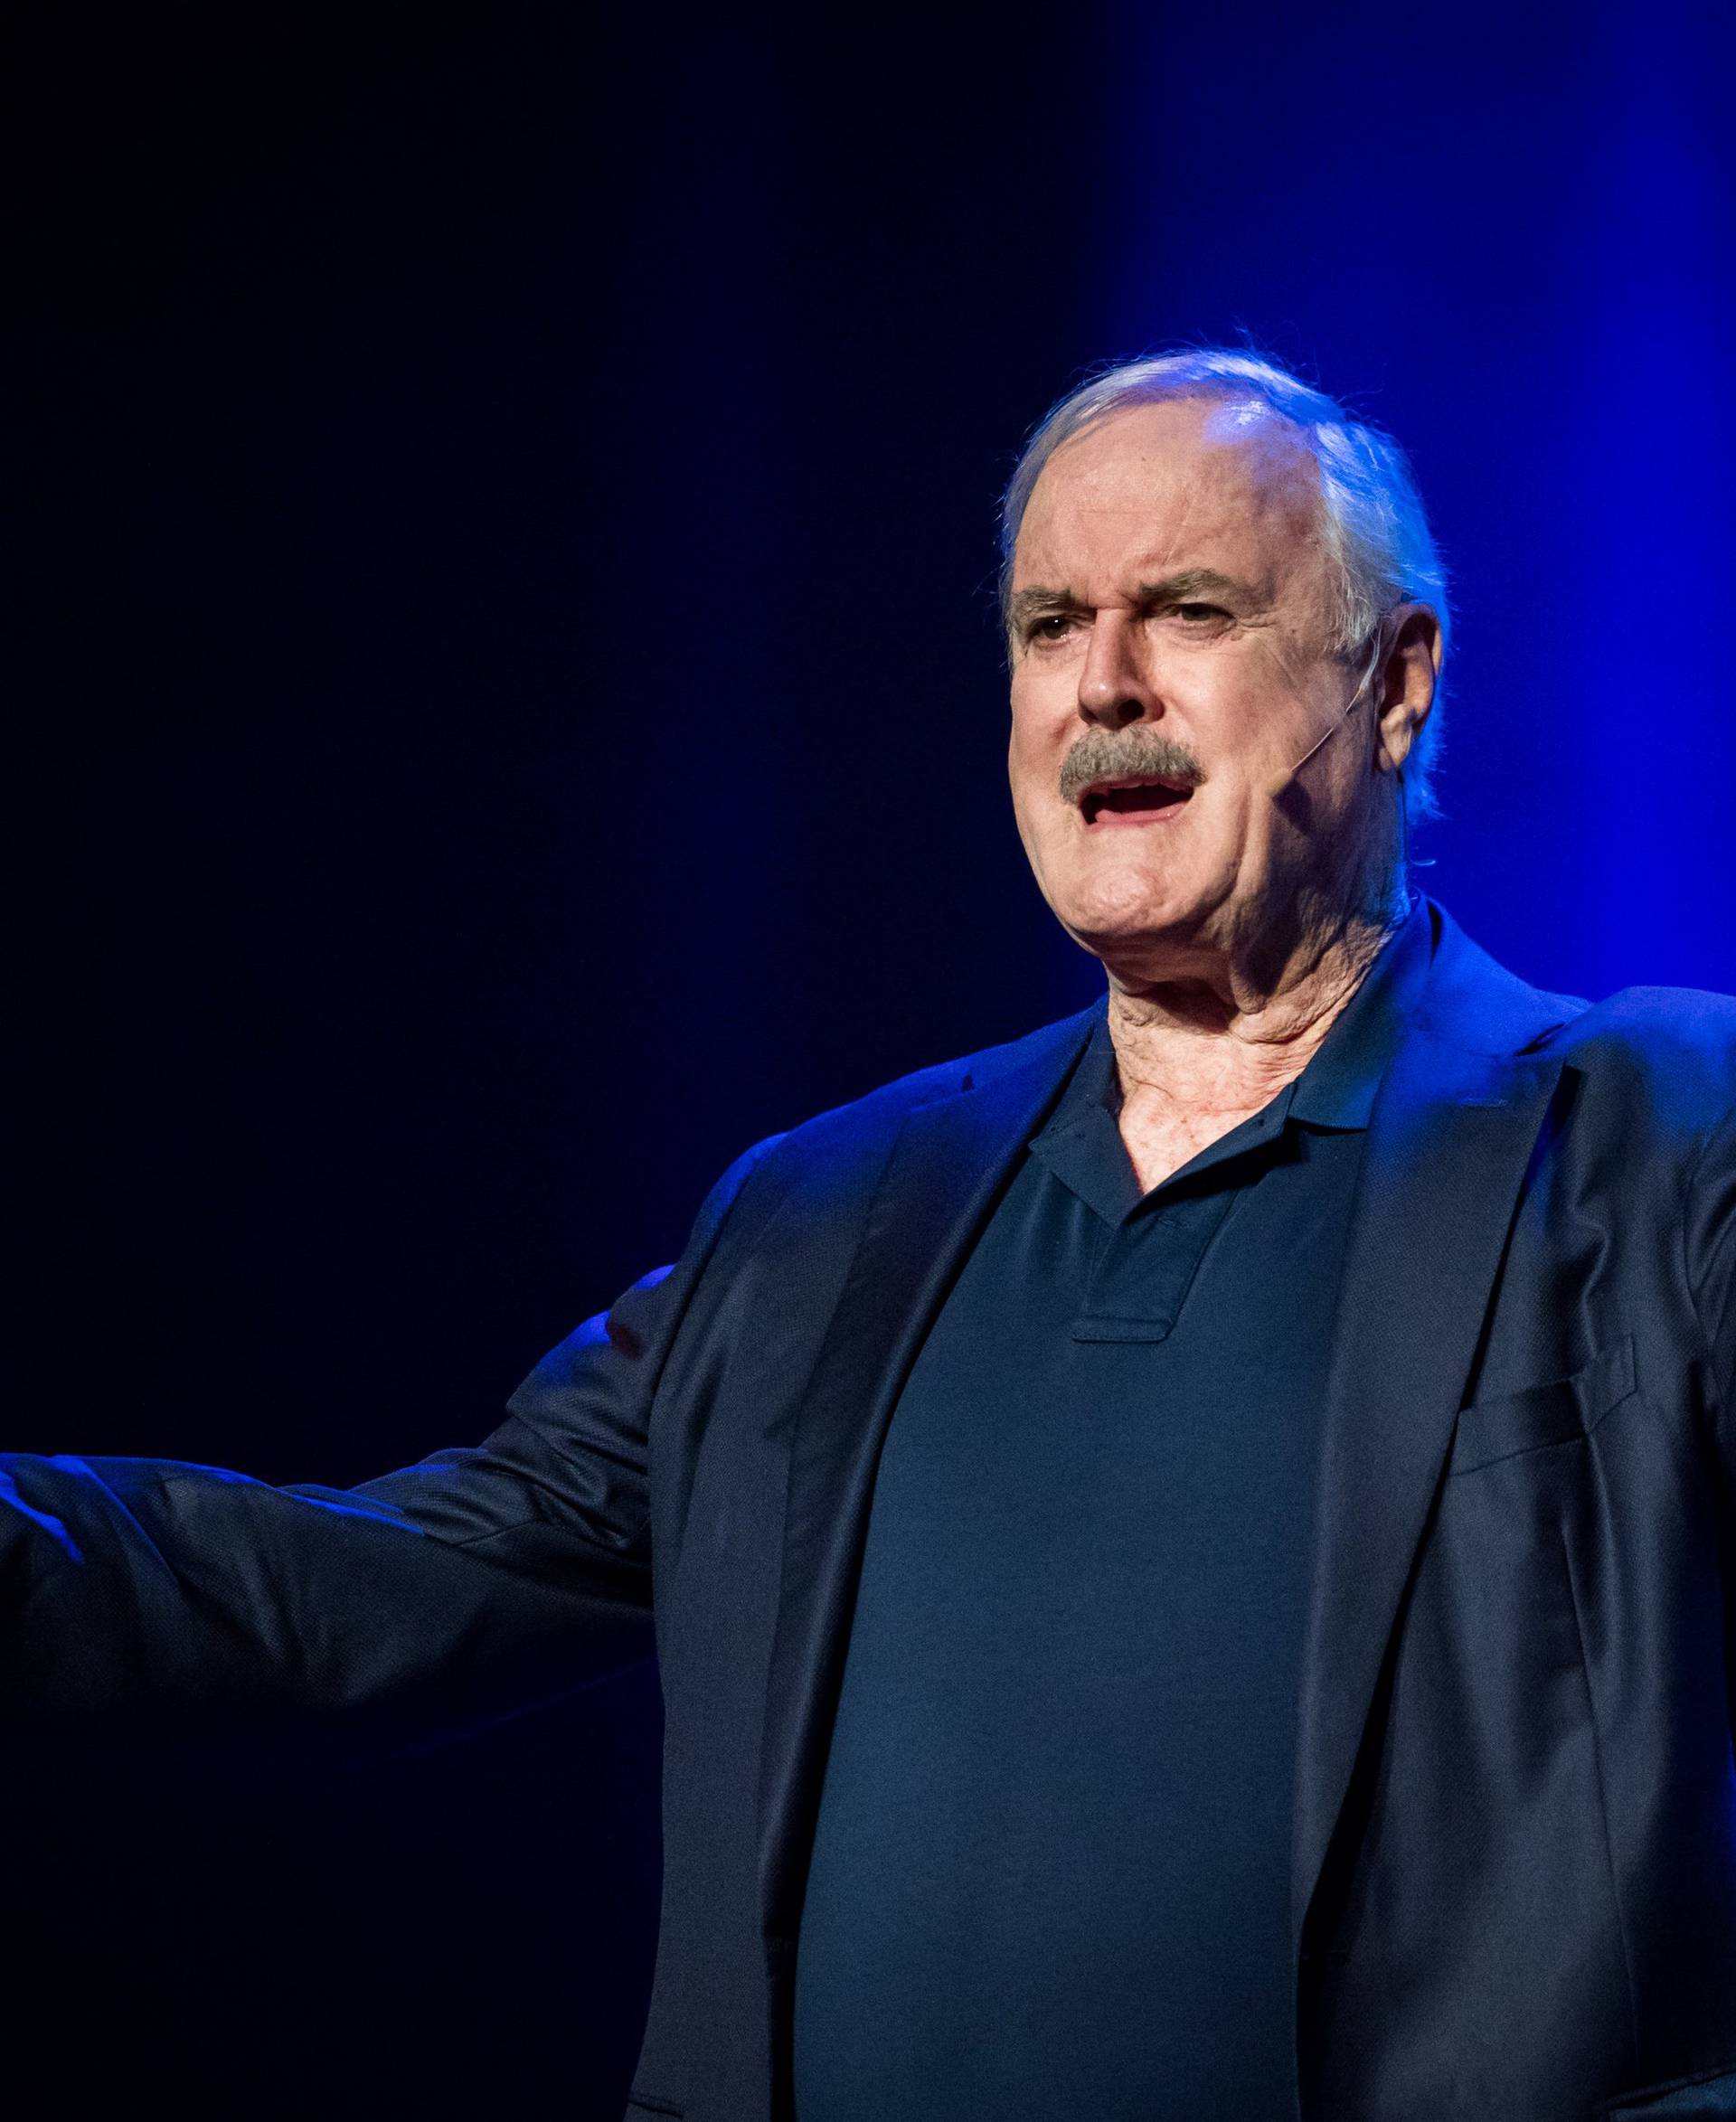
1552 1413
644 2103
1697 2100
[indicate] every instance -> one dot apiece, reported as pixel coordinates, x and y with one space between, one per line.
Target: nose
1113 687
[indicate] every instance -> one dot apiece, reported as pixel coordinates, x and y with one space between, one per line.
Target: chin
1122 925
1124 911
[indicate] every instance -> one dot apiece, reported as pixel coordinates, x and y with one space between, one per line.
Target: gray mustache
1102 755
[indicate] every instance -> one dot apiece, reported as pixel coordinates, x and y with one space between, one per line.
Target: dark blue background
510 712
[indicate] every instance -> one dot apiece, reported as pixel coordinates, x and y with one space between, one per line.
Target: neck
1223 1038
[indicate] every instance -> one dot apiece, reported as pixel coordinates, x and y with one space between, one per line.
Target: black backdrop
506 508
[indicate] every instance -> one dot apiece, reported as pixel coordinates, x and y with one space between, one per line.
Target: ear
1405 688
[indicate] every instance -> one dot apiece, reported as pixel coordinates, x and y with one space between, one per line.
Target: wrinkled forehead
1184 483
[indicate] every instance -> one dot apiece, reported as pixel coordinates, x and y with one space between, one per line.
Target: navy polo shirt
1050 1873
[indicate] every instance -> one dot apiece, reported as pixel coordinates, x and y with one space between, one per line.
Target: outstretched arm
501 1572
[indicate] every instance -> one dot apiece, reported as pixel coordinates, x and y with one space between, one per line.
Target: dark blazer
1515 1849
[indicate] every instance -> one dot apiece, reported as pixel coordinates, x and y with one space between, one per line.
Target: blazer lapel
1448 1142
935 1192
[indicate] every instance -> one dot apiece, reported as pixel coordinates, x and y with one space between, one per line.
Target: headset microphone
1280 784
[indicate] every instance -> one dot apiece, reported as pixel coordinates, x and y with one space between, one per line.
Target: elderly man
1191 1555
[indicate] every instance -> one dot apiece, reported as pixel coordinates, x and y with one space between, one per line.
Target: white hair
1377 535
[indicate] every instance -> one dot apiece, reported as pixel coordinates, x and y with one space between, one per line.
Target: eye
1200 614
1053 627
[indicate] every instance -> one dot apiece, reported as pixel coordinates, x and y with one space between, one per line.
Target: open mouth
1132 800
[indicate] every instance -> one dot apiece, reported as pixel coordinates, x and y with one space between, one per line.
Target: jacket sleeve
1710 1251
479 1579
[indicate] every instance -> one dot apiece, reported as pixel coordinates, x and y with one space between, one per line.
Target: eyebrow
1195 582
1189 585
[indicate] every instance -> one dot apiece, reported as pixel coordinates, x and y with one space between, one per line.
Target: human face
1172 622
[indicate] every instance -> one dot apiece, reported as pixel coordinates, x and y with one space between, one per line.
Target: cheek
1032 774
1025 783
1031 748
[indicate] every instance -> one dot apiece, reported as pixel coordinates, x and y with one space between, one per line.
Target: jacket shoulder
1650 1056
1667 1053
